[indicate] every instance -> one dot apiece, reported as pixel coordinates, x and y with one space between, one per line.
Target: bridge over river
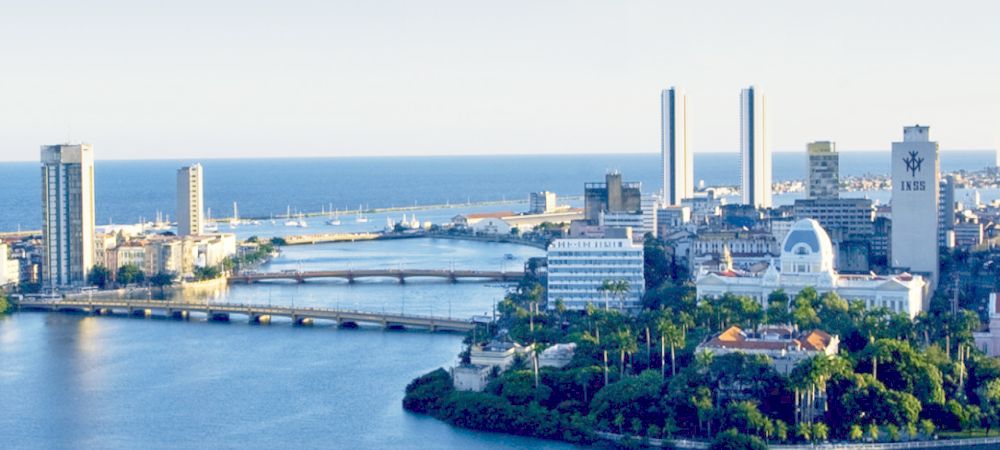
253 313
398 274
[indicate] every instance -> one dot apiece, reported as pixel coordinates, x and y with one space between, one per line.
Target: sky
250 78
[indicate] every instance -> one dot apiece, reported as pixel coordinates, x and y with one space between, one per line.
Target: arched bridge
399 274
253 313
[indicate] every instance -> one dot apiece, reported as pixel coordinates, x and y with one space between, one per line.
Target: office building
67 214
612 196
755 174
678 163
542 202
946 215
806 260
190 201
577 268
824 170
10 267
916 179
988 340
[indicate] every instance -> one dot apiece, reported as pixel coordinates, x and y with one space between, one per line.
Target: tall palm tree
672 335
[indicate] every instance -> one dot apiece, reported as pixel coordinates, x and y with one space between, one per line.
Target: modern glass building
678 164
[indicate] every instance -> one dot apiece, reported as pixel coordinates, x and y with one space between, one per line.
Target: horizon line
440 155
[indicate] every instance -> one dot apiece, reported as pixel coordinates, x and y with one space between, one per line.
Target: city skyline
334 79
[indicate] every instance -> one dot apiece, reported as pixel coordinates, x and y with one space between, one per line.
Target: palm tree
625 343
672 335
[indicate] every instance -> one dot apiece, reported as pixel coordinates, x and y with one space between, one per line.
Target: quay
252 313
399 274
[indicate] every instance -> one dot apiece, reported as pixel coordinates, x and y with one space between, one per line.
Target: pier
252 313
399 274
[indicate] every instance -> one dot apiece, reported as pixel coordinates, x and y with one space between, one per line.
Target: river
72 381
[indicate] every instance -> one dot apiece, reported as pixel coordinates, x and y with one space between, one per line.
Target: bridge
399 274
253 313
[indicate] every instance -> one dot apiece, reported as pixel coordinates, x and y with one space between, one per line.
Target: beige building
190 201
784 345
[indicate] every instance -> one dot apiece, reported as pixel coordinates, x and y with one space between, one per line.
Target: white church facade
807 260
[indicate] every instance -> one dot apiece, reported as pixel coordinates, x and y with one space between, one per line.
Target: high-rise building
190 201
755 176
67 214
541 202
678 164
824 170
613 196
916 177
946 215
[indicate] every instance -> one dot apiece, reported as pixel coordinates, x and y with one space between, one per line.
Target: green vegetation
130 274
638 375
99 276
4 304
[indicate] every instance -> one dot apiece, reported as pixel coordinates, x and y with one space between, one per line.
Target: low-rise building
988 340
558 355
10 268
807 259
784 345
672 218
470 377
497 353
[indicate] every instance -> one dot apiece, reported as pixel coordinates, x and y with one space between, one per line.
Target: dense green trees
894 379
99 276
129 274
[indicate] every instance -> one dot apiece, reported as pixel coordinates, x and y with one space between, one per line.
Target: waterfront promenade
252 313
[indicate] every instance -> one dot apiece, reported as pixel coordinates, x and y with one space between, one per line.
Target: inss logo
913 163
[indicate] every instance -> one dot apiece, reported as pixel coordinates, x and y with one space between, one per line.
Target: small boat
302 221
508 256
361 216
334 219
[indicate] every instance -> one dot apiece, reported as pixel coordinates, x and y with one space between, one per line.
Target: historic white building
989 340
807 260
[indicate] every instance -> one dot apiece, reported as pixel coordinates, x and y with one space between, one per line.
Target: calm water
128 190
70 381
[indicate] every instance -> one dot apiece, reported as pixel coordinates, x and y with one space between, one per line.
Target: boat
302 221
289 221
508 256
334 219
361 216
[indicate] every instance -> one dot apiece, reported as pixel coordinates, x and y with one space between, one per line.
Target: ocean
129 190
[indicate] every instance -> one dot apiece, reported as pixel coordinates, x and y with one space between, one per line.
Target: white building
542 202
558 355
916 179
989 341
824 170
190 201
68 214
498 354
755 177
678 163
579 267
10 268
470 377
807 260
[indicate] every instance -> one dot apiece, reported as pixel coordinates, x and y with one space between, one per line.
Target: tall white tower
190 201
916 177
755 177
678 163
67 214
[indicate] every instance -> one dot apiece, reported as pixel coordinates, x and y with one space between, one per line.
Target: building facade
541 202
612 196
989 340
916 178
67 214
755 174
577 268
823 170
785 346
807 260
190 201
678 163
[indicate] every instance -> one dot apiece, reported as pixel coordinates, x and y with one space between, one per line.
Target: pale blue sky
250 78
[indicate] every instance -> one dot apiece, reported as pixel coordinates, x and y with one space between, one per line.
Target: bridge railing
243 307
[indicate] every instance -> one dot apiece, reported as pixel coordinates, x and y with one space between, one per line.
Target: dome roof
807 243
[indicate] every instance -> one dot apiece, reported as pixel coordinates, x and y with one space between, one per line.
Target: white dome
807 249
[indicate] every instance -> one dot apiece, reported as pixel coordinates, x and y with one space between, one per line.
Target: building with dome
808 260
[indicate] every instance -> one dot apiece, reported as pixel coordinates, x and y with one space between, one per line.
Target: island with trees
636 378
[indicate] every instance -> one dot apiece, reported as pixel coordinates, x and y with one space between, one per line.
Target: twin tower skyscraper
678 160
